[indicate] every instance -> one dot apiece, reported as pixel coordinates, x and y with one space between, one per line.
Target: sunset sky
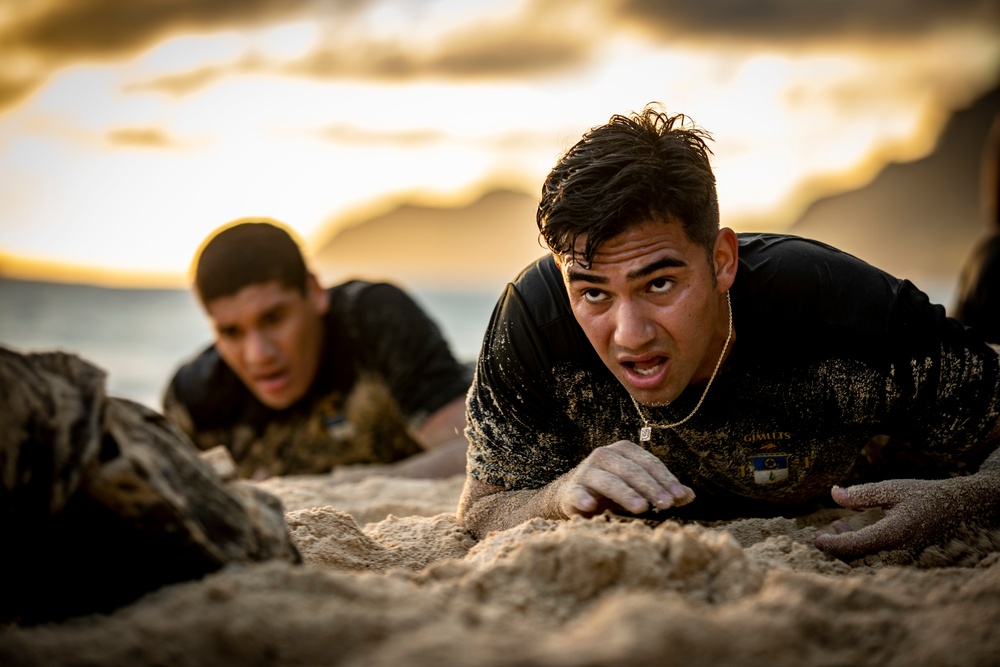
130 130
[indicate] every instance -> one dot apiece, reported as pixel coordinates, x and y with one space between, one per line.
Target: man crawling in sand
655 363
302 379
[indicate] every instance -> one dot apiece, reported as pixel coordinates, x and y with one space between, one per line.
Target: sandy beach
391 578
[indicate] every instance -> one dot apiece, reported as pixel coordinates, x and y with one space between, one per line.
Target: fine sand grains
413 589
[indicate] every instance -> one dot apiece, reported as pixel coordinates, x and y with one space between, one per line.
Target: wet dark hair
644 165
247 253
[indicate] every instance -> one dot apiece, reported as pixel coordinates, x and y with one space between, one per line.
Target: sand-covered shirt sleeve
399 342
522 431
206 399
889 360
944 389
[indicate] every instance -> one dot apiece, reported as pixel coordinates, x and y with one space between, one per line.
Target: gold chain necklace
646 432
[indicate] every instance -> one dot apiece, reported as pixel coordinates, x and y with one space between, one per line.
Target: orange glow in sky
123 144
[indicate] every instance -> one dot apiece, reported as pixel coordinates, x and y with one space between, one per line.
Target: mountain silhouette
919 219
916 220
487 242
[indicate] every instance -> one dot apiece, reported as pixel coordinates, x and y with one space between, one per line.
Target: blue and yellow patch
770 468
337 426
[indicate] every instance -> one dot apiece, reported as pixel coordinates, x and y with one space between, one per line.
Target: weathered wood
103 500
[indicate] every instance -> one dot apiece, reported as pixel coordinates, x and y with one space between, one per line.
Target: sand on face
413 588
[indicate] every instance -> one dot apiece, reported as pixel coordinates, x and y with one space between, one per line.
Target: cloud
44 36
510 51
349 134
188 82
550 37
538 38
795 21
144 137
183 83
103 28
545 36
543 39
12 90
464 57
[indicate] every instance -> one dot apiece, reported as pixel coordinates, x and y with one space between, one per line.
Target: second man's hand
622 475
917 512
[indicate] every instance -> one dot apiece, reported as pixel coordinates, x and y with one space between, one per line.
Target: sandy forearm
445 460
992 462
505 509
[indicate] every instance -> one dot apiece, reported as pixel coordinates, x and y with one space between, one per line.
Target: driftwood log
103 500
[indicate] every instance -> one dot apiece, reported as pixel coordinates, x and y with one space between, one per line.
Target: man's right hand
622 475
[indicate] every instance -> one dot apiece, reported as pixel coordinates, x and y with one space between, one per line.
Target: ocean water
140 336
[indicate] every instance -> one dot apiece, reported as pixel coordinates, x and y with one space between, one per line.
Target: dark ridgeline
920 219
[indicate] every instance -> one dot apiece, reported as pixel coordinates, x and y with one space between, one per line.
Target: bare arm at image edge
441 436
918 512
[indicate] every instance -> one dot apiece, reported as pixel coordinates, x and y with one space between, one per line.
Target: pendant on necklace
645 434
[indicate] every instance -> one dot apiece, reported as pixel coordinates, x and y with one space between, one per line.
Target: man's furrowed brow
653 267
575 275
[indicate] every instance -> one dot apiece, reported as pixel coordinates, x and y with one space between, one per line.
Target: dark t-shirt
384 368
979 294
830 352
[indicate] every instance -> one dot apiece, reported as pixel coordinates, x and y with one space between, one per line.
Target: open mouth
646 368
272 382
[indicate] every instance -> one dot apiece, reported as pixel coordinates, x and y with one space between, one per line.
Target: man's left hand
918 512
